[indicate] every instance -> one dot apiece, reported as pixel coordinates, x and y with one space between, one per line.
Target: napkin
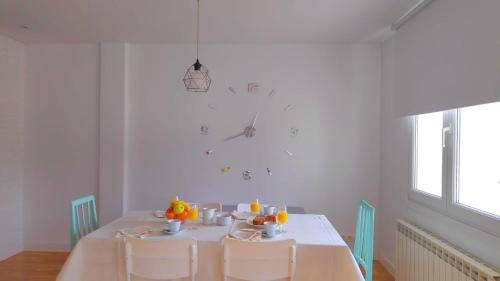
136 232
246 234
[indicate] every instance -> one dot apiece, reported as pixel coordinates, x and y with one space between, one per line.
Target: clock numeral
288 107
204 130
269 172
253 87
247 175
272 93
294 132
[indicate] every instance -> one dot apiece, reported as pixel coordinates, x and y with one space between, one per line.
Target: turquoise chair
83 218
363 241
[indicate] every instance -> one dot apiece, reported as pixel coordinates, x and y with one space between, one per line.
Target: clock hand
252 125
248 131
235 136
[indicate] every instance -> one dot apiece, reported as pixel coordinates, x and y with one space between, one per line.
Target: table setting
320 249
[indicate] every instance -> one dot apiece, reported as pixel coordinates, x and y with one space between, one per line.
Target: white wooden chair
245 207
161 259
253 261
214 205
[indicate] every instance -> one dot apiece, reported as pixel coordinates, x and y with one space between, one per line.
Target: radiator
421 256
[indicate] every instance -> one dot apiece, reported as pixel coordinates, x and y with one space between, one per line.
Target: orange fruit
169 214
182 216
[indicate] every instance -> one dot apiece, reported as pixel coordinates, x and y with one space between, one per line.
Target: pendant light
196 78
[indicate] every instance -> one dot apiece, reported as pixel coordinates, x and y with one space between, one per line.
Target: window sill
461 214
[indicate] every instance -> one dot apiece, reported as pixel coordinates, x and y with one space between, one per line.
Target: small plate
249 221
264 234
159 214
167 232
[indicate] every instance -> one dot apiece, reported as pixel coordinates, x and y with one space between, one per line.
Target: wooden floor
380 273
36 266
44 266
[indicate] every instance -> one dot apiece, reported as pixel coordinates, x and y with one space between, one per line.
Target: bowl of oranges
181 210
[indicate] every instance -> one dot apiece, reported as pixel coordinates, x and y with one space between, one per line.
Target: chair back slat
89 217
363 243
161 259
248 260
78 222
83 218
83 223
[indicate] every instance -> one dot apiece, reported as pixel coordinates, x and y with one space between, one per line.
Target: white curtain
448 56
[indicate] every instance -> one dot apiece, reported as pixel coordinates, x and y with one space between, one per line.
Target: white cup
270 228
224 219
269 210
174 225
208 215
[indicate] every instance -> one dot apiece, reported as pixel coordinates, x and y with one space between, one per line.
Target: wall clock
251 130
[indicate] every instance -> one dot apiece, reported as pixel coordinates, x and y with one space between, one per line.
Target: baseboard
5 254
388 265
47 246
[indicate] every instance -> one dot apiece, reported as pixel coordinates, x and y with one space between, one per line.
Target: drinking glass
282 216
255 206
194 213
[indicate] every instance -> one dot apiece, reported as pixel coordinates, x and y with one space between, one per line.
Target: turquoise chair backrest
83 218
363 241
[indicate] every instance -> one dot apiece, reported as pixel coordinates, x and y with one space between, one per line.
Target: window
456 164
478 167
428 153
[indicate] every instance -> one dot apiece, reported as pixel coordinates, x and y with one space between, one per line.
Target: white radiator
420 256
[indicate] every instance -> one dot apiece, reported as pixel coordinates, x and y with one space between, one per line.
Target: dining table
321 252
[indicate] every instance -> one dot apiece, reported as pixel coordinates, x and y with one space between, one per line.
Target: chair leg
224 262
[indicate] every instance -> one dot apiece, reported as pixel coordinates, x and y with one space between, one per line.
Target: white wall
395 168
61 123
11 145
112 113
335 90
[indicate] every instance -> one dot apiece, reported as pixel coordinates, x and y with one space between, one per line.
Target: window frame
429 200
448 204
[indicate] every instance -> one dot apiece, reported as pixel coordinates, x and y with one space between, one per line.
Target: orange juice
255 206
282 217
193 213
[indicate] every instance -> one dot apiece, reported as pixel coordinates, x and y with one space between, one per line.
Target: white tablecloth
321 252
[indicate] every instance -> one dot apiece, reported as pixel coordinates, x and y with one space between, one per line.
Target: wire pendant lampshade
196 78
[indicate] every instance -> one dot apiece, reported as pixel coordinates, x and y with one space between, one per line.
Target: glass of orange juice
282 215
255 206
193 213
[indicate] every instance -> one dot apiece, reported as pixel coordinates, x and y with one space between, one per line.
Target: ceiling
223 21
